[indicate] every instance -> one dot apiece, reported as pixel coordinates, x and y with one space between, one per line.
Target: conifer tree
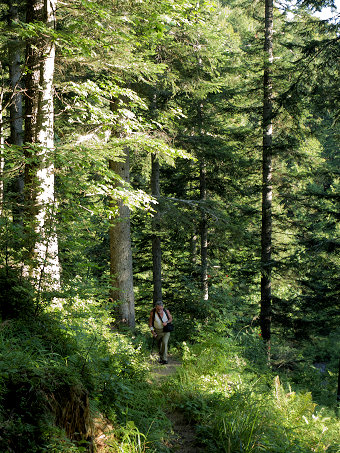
120 250
156 240
15 57
2 143
266 235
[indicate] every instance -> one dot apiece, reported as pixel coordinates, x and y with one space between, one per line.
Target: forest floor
182 437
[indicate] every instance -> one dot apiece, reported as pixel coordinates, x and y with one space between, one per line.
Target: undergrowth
68 353
238 404
225 388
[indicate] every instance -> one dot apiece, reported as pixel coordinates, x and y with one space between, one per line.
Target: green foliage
311 366
33 368
178 79
16 295
225 387
130 439
239 406
73 346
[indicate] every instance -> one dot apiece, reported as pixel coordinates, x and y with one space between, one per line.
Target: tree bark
15 75
39 143
156 240
193 248
121 271
203 198
16 111
266 233
338 393
2 144
204 233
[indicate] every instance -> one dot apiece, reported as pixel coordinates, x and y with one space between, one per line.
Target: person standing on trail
159 321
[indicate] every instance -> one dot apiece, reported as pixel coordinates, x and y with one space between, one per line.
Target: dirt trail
182 437
159 371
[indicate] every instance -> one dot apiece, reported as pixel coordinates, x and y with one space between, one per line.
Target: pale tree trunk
16 110
266 234
39 143
193 248
121 270
204 220
156 240
193 241
204 233
203 228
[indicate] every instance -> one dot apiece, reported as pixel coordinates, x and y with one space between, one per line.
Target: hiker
160 317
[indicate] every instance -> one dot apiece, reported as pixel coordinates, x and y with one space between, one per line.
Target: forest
183 151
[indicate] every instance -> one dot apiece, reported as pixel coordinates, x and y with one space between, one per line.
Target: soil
182 438
159 371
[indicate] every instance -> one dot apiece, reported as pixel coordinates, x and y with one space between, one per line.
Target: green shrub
16 295
32 370
238 405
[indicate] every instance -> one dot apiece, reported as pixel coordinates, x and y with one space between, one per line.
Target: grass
224 387
239 405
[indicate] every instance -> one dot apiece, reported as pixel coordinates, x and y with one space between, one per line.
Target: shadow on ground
182 438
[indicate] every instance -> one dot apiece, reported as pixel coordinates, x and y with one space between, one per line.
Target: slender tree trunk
193 248
121 270
266 234
2 144
16 110
15 75
338 393
204 233
156 240
204 220
193 239
156 220
203 189
39 142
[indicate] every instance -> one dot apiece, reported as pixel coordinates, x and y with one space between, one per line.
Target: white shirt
157 323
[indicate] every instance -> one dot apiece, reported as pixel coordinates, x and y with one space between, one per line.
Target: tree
40 204
15 50
156 240
2 143
266 235
120 249
200 80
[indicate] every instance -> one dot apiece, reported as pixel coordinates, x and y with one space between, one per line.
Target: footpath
182 436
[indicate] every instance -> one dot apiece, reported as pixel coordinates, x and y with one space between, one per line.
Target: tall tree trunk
266 234
16 110
338 392
156 240
39 143
204 233
203 187
193 239
2 143
193 247
203 198
121 271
